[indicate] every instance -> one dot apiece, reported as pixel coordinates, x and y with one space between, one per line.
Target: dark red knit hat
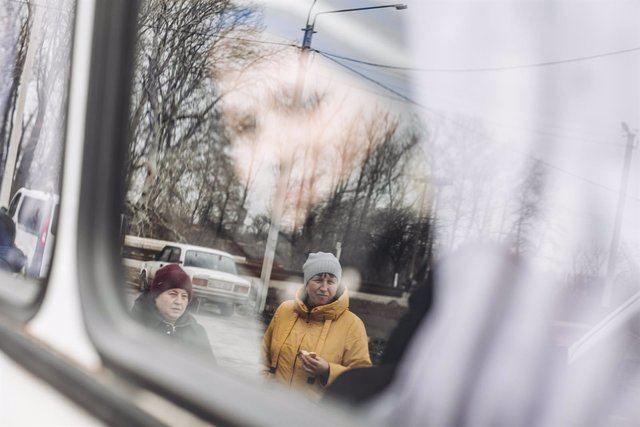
168 277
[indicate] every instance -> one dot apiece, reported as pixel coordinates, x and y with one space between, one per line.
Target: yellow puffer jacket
331 331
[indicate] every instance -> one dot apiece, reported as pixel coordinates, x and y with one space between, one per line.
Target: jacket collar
322 312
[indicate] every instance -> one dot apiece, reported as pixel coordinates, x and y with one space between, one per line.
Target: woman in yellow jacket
314 338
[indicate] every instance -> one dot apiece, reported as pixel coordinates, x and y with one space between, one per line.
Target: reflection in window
35 47
246 144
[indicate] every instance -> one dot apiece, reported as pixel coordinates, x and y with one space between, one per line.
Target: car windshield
210 261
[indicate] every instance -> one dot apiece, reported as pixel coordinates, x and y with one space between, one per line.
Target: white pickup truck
213 273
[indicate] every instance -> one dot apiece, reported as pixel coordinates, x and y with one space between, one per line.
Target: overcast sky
567 114
587 97
486 59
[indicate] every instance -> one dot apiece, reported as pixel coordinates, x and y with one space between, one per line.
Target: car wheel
226 309
143 282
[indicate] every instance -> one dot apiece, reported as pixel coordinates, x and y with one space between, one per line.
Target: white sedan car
213 273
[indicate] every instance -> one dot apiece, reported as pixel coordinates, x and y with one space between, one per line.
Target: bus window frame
126 346
44 364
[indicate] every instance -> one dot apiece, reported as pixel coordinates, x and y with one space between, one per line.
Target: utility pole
279 197
285 166
272 238
423 197
16 133
607 295
303 60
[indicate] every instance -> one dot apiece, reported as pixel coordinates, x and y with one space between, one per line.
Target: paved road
235 340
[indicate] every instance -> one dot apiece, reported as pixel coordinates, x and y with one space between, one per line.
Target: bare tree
17 24
179 141
40 153
529 205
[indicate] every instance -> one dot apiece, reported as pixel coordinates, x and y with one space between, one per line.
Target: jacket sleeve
356 352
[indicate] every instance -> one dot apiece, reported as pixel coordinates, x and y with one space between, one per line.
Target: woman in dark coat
163 308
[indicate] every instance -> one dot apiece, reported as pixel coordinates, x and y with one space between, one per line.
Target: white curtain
537 313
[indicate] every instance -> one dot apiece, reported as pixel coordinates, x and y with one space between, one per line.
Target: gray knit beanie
321 262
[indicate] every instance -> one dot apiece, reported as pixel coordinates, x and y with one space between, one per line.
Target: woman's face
172 303
321 289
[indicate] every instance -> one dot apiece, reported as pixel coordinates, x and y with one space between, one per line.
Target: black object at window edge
124 345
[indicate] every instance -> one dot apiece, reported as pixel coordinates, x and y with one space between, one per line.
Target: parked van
35 214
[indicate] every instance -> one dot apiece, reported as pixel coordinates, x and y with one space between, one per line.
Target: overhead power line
485 69
561 133
407 99
332 57
535 158
374 81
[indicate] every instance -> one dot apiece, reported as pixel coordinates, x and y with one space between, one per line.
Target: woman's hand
317 366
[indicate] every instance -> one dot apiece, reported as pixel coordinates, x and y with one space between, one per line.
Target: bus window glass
341 175
35 49
250 152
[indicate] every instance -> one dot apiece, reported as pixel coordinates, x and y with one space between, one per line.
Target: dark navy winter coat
186 330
